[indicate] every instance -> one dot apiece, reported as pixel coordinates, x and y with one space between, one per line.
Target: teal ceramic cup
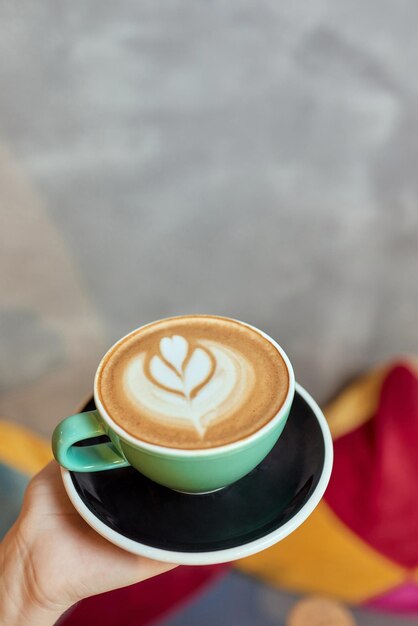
190 471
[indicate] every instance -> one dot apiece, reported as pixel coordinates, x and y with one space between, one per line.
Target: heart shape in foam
174 350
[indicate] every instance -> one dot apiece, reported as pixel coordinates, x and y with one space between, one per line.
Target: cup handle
94 458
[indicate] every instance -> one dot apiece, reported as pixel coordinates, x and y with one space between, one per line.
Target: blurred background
158 158
255 160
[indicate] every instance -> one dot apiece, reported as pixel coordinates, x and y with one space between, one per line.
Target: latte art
181 368
194 384
195 381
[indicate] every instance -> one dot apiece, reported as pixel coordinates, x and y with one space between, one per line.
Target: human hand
51 558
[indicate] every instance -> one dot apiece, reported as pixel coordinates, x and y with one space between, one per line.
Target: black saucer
251 509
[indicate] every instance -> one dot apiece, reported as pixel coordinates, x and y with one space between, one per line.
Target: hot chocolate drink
193 382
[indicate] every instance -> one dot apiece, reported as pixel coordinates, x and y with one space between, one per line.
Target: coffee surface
192 382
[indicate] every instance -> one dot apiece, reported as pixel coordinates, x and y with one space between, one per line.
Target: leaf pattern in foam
176 373
174 351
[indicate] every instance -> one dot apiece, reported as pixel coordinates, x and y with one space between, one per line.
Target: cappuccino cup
193 402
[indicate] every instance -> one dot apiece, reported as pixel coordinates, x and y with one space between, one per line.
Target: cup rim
199 452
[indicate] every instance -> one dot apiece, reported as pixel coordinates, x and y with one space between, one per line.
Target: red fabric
373 487
144 602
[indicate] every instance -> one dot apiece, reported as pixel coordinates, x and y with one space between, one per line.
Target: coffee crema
192 382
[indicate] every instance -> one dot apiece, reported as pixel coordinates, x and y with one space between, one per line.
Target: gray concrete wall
257 160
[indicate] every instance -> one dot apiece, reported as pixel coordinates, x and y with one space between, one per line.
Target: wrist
21 601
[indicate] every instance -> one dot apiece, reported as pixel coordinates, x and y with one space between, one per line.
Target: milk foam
193 384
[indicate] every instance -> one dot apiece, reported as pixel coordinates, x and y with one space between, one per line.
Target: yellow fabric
356 404
21 449
323 556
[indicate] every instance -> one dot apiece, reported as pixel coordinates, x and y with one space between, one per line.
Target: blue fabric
237 599
12 488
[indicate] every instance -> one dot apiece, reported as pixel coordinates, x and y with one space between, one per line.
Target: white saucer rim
217 556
